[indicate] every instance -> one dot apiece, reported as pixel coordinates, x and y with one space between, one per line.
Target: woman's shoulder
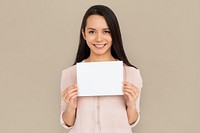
131 69
72 68
69 69
133 76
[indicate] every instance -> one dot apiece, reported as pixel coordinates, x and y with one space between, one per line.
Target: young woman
100 40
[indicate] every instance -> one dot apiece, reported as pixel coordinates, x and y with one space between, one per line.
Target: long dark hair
117 49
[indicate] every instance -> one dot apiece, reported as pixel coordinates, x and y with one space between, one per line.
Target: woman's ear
83 33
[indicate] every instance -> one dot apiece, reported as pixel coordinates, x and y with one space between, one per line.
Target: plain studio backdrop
39 38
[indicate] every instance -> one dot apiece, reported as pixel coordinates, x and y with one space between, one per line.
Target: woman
100 40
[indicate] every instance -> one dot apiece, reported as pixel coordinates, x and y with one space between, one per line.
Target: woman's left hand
131 94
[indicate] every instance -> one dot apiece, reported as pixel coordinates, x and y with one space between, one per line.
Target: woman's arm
69 116
132 115
69 95
131 93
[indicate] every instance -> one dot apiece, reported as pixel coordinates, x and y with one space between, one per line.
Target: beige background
39 38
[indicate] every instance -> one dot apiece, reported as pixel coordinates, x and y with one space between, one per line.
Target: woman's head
117 49
98 38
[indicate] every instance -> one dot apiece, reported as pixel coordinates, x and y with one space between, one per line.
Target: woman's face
97 36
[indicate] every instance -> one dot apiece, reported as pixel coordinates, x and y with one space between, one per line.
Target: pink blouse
101 114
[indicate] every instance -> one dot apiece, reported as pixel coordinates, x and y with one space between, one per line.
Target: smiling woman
100 41
98 38
109 24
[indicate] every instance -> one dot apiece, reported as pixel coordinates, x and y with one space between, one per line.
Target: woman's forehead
96 21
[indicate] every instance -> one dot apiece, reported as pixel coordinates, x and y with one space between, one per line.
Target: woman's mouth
99 46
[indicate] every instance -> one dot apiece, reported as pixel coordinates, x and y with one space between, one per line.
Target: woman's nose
99 37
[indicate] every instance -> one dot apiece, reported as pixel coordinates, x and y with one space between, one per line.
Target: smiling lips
99 46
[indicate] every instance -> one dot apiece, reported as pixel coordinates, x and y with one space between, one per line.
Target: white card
100 78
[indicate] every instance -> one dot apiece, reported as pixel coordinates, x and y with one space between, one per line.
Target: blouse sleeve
65 82
136 79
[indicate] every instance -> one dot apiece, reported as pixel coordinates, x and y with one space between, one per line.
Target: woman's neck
100 58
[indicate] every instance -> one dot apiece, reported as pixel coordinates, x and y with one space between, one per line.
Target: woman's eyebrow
106 29
91 29
95 29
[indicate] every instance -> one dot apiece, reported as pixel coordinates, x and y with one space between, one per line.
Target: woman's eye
107 32
91 32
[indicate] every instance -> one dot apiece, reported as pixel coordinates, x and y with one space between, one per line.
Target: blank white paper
100 78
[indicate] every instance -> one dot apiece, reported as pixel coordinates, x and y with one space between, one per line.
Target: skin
99 40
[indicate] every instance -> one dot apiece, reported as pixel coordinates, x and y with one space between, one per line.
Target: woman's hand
69 95
131 94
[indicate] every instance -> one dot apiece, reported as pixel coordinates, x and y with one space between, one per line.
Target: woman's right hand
69 95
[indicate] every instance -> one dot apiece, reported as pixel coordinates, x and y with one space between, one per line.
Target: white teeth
99 45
